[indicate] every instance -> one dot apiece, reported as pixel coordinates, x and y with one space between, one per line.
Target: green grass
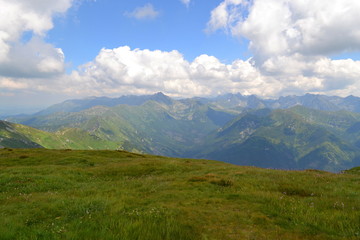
67 194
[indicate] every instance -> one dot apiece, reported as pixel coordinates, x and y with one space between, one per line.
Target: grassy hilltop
64 194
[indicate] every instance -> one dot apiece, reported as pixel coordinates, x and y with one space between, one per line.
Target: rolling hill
21 136
67 194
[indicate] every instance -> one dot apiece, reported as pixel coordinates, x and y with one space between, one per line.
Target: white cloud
122 71
225 15
292 40
186 2
125 71
285 27
146 12
34 58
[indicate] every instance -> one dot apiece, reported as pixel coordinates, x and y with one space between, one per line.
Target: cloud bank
123 70
144 71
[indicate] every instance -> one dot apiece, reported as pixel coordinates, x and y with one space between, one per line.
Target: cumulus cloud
146 12
125 71
34 58
122 71
292 40
284 27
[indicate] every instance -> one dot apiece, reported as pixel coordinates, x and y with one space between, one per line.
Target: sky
53 50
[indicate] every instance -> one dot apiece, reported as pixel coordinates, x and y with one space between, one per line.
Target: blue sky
104 24
60 49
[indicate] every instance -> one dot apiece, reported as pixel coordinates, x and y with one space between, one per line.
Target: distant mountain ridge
314 101
293 132
228 101
77 105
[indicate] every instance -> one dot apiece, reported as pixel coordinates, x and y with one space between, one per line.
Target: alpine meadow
180 120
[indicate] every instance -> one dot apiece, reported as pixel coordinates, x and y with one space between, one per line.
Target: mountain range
298 138
293 132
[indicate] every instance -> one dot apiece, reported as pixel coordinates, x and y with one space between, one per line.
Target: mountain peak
160 97
160 94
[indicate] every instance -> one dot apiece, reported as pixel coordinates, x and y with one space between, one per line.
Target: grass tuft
291 190
222 182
